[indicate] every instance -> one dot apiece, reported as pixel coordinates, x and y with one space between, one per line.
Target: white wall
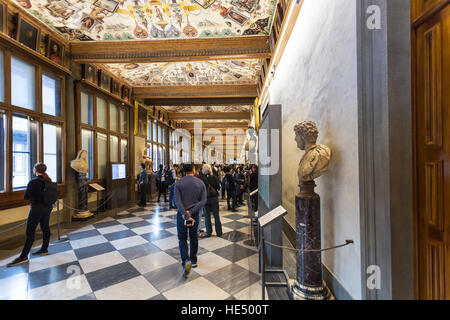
317 80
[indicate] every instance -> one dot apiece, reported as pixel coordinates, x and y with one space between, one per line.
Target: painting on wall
43 45
89 73
140 120
125 94
3 17
103 79
12 25
27 34
115 87
153 19
55 51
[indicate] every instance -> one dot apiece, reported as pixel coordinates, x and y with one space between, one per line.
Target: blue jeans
201 213
183 232
172 195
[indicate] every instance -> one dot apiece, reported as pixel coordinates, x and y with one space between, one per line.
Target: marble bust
316 159
145 159
79 164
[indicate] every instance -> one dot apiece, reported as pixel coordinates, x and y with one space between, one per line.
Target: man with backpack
42 193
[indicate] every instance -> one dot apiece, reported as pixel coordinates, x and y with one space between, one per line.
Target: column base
302 292
83 215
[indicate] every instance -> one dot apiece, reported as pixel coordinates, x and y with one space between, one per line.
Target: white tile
167 213
144 229
87 242
158 220
112 229
244 220
101 261
198 289
225 229
52 260
142 213
209 262
134 289
128 242
123 213
254 292
15 287
107 219
213 243
130 220
250 263
86 228
71 288
245 230
166 243
225 220
152 262
173 230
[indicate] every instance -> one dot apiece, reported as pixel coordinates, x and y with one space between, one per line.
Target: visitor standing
143 182
171 177
230 185
162 187
212 203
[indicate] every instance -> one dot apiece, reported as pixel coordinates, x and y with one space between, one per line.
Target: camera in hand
188 223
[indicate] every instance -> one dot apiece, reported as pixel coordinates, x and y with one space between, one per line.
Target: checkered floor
135 256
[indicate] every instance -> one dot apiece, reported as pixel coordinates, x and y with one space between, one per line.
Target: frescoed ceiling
196 109
217 72
88 20
235 121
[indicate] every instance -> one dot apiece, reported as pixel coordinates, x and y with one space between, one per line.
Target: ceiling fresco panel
97 20
230 108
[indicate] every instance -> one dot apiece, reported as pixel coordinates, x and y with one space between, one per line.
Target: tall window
87 143
53 151
124 150
24 150
123 120
102 155
87 109
23 84
51 95
113 117
102 113
2 150
113 149
2 78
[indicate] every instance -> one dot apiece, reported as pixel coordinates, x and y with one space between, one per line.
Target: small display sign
119 171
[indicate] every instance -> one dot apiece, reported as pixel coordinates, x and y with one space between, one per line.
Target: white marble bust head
79 164
316 159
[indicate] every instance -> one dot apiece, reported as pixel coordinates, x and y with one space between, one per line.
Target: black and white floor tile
135 255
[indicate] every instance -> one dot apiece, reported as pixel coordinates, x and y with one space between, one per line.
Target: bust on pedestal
314 163
81 167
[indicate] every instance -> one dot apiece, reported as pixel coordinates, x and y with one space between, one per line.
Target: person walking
190 198
143 183
42 193
178 176
162 187
252 186
212 203
230 186
171 177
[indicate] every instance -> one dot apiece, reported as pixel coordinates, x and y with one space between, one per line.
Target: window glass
24 150
124 150
149 130
163 133
159 134
87 108
53 151
154 132
123 121
2 149
87 143
102 113
155 158
113 149
23 84
113 117
149 150
102 154
51 95
2 78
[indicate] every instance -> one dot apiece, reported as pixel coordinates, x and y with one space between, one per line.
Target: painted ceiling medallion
87 20
188 73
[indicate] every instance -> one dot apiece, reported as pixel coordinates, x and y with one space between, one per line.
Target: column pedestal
309 284
83 212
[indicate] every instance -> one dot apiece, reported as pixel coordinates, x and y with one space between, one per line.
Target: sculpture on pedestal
251 146
314 163
81 166
145 159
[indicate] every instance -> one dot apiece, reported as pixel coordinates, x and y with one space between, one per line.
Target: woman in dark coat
212 203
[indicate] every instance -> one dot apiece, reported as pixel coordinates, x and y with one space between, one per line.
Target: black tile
232 278
54 248
234 252
156 235
51 275
106 277
95 250
83 234
89 296
235 225
158 297
6 272
138 224
125 216
119 235
138 251
236 216
147 216
169 277
106 224
235 236
136 210
175 252
166 225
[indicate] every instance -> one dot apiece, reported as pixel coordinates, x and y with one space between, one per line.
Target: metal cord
347 242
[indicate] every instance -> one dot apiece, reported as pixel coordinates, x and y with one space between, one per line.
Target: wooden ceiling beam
216 125
182 92
209 115
199 49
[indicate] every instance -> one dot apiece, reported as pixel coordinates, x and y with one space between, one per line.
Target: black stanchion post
58 224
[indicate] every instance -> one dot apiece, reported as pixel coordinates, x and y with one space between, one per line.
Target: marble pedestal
83 212
309 284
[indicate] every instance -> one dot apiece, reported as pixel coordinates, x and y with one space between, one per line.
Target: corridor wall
316 80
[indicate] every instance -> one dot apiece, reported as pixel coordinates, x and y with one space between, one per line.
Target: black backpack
50 192
169 177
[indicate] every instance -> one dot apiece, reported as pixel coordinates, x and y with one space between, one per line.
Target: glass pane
154 132
159 134
113 117
23 84
149 150
155 158
149 130
2 78
87 143
51 95
2 149
163 133
24 150
124 150
102 113
87 109
123 121
53 151
113 149
102 154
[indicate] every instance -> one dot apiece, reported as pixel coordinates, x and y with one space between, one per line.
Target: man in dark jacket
143 182
253 185
212 203
231 190
190 197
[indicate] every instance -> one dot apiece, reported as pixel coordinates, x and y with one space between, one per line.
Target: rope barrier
347 242
13 228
